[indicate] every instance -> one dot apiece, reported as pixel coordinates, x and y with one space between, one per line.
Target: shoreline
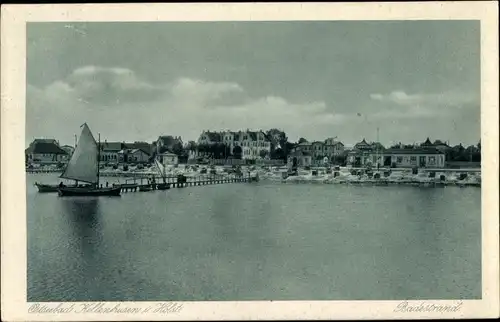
401 176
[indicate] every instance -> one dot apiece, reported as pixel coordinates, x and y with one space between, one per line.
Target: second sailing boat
84 166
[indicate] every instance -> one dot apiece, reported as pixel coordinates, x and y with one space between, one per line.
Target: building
250 144
166 143
398 158
420 157
45 151
364 153
133 156
363 145
144 146
319 150
168 158
109 151
299 158
438 144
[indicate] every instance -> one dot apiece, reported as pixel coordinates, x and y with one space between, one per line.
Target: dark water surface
259 241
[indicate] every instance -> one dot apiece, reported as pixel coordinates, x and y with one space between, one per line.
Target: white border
13 37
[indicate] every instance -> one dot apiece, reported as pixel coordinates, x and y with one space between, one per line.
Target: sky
135 81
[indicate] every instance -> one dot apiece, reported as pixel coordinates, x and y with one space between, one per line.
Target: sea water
255 241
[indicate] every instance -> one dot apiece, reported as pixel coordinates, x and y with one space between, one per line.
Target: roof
413 151
376 145
144 146
112 146
253 135
362 143
44 141
334 142
213 136
427 143
137 150
47 148
168 153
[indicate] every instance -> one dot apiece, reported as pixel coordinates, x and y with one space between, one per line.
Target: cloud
451 98
400 105
109 86
127 107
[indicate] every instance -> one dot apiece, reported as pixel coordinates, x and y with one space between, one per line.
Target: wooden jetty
181 181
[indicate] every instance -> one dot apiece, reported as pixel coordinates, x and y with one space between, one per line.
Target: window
399 159
413 159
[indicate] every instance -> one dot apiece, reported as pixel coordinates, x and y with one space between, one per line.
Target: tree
203 148
278 140
220 150
279 154
288 148
263 154
163 149
237 152
177 148
191 146
302 140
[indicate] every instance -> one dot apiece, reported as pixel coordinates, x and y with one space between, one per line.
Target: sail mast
82 164
98 158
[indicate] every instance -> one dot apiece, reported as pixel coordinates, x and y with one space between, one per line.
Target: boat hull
44 188
145 188
163 186
67 191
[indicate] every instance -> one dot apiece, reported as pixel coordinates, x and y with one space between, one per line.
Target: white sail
160 167
83 165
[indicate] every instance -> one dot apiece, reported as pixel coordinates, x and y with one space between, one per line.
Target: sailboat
161 168
84 166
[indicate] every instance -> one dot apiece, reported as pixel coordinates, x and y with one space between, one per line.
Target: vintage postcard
249 161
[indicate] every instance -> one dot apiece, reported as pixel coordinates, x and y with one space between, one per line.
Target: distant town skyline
137 81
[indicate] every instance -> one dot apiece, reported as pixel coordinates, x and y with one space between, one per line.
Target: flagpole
98 158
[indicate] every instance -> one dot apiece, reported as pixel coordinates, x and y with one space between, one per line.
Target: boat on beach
84 166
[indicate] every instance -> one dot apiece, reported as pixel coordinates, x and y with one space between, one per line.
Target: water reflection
84 220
